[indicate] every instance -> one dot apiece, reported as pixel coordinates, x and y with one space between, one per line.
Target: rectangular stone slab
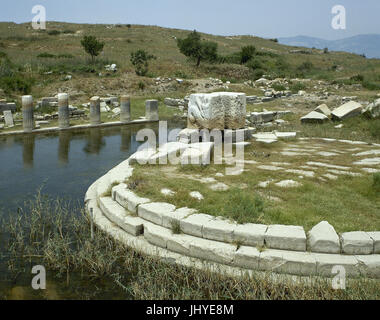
8 118
218 110
250 234
285 237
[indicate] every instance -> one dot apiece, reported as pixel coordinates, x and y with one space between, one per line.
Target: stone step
246 257
121 217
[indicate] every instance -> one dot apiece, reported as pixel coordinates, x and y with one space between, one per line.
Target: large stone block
323 238
168 218
219 230
8 118
375 236
327 262
250 234
193 224
348 110
219 110
127 198
358 242
314 117
297 263
247 257
118 215
154 211
286 237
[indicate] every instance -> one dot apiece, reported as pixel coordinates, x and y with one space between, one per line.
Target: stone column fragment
27 113
95 111
151 110
63 111
125 109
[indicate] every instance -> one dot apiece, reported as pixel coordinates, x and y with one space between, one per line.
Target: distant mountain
369 44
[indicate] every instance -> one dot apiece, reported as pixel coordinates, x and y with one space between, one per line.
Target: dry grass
50 233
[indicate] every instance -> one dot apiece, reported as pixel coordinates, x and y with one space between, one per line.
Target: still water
63 164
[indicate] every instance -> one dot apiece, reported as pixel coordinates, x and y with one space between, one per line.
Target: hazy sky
265 18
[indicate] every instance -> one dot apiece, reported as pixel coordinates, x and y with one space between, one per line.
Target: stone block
314 117
375 236
250 234
326 262
347 110
168 218
193 224
218 110
127 198
323 238
219 230
289 262
247 257
154 211
358 242
285 237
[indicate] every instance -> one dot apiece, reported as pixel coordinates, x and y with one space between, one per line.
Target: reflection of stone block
218 110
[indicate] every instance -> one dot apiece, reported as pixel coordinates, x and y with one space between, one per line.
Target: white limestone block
314 117
323 238
358 242
250 234
326 262
347 110
219 230
218 110
118 215
289 262
285 237
193 224
156 235
175 216
127 198
247 257
370 265
375 236
324 109
154 211
212 250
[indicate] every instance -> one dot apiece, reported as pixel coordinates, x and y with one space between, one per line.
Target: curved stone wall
151 228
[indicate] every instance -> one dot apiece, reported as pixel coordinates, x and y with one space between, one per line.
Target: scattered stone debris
196 195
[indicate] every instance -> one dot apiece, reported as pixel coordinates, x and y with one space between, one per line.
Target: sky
264 18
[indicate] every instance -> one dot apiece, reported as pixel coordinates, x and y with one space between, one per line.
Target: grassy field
45 57
50 233
349 203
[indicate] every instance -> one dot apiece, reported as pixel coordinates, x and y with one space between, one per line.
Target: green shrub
16 83
246 54
45 55
257 74
295 87
141 85
357 78
306 66
92 46
53 32
140 60
278 87
370 85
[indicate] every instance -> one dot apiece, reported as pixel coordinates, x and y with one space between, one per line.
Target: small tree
140 59
193 47
92 46
246 54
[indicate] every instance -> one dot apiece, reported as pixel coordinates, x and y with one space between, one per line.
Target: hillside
45 58
368 44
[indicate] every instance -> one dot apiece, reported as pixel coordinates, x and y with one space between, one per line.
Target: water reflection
126 138
64 147
28 150
95 141
63 163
